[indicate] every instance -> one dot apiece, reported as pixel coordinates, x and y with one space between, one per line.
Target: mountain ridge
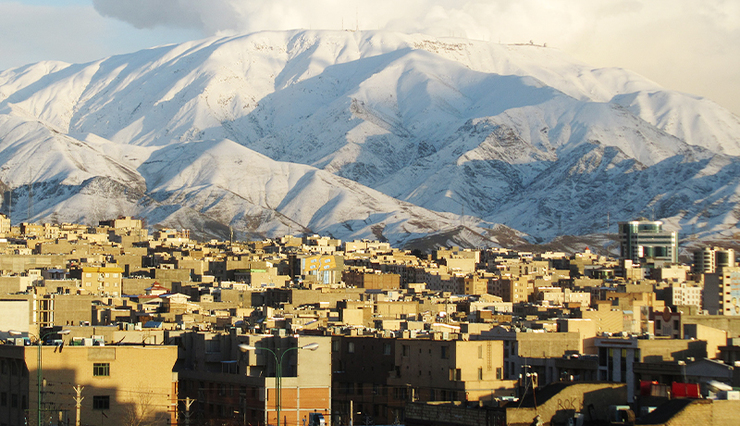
404 133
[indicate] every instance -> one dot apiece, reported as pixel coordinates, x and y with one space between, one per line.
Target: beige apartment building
381 375
722 292
99 279
370 279
447 370
120 384
4 225
514 290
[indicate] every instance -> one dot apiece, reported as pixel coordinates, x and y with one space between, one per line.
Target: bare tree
141 411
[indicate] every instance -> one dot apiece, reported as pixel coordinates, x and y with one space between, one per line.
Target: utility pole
78 403
188 403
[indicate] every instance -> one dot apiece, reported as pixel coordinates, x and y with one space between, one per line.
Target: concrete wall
714 337
570 400
704 412
15 315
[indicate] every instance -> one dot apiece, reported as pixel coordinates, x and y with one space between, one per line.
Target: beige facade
722 292
4 225
445 370
120 384
370 279
685 295
514 290
475 285
365 246
15 315
124 222
99 279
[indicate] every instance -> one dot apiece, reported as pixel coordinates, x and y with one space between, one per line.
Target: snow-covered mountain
364 134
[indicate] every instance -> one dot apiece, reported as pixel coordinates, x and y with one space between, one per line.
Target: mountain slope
351 133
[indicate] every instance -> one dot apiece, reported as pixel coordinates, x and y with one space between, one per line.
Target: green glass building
645 242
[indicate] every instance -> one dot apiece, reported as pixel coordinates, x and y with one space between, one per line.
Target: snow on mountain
365 134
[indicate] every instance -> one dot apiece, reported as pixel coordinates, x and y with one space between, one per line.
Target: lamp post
39 375
278 367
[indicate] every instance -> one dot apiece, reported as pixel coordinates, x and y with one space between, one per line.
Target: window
101 369
480 351
3 399
387 349
351 347
480 373
101 402
498 373
445 352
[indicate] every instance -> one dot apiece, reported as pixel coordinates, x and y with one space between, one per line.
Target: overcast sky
687 45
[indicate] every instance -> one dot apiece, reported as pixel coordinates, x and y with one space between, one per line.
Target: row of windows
107 275
444 351
12 367
12 400
351 347
104 285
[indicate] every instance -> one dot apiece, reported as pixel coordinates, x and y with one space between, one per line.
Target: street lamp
278 367
39 376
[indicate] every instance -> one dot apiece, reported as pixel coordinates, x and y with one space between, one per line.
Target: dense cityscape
112 325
